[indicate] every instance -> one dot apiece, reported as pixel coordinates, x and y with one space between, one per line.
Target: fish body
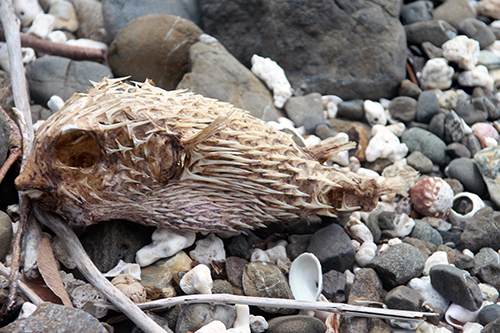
178 160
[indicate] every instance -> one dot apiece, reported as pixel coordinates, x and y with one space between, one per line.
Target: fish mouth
32 193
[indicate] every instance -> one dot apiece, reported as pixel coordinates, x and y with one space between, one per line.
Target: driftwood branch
76 251
58 49
338 308
33 297
15 145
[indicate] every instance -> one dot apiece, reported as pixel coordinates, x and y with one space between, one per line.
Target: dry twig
76 251
15 145
34 298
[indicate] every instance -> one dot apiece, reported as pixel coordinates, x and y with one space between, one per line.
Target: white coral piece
197 281
274 76
208 249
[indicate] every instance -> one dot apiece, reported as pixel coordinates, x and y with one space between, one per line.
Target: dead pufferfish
178 160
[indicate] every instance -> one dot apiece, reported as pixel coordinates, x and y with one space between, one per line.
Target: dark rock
484 104
457 258
348 324
304 226
416 11
333 248
410 89
6 96
484 257
225 287
475 29
419 162
427 106
324 131
108 242
492 327
264 279
296 324
427 248
5 234
117 13
353 109
398 264
403 108
372 224
304 37
298 107
49 318
490 273
4 138
482 230
334 286
467 172
52 75
425 232
367 286
234 270
456 285
468 113
436 32
473 144
195 316
404 298
429 144
453 131
311 122
297 244
213 72
436 125
453 12
165 61
488 314
238 246
457 150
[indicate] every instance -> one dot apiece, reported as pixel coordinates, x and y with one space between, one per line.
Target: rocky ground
414 84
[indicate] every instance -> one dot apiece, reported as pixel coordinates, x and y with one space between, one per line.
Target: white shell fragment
477 76
27 10
55 103
130 287
197 281
26 310
436 74
274 76
375 113
215 326
462 50
460 219
42 26
359 229
208 249
384 144
306 277
457 315
57 36
431 296
259 255
341 158
242 322
366 253
437 258
403 226
166 243
125 268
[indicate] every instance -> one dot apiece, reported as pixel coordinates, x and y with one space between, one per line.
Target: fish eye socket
77 148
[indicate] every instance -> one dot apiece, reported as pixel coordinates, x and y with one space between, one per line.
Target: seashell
457 315
125 268
432 196
306 277
197 281
177 160
476 203
258 324
42 26
26 310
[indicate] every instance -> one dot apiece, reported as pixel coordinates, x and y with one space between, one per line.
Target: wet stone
436 125
334 284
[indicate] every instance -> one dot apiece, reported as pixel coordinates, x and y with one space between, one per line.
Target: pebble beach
415 84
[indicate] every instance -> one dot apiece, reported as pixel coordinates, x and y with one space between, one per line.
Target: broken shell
242 322
432 196
476 204
306 277
258 324
457 315
275 78
166 243
130 287
208 249
125 268
366 253
215 326
197 281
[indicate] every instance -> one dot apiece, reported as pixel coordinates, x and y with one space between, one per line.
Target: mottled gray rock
490 273
313 42
311 122
436 32
417 11
425 232
38 112
90 20
453 12
457 286
296 324
264 279
164 60
298 107
404 298
333 248
453 131
403 108
457 258
194 316
297 244
398 264
52 75
488 314
367 286
334 285
213 72
234 270
427 106
324 131
50 318
419 162
429 144
493 327
117 13
472 143
409 89
485 256
482 230
468 113
457 150
5 234
478 30
352 109
467 172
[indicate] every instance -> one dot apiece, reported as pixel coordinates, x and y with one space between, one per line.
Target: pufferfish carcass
178 160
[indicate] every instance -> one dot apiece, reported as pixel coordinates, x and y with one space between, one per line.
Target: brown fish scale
179 160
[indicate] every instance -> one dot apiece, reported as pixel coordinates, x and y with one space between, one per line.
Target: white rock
462 50
125 268
27 10
65 15
349 276
84 296
403 226
166 243
57 36
437 258
258 324
342 158
88 43
397 129
495 48
242 322
359 229
259 255
431 296
436 74
215 326
468 252
374 112
274 76
42 26
55 103
26 310
312 140
286 122
489 8
457 315
207 249
478 76
384 144
356 244
331 103
368 173
366 253
275 253
404 324
437 223
489 292
197 281
472 328
490 142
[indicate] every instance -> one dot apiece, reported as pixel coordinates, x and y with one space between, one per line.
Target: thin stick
15 145
34 298
339 308
76 251
63 50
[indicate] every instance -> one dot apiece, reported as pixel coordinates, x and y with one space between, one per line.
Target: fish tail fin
327 149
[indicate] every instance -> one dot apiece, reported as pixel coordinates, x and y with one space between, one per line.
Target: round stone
296 324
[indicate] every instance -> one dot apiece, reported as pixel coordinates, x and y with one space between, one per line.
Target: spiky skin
146 155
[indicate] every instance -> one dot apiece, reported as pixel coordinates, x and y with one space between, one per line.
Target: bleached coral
274 76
